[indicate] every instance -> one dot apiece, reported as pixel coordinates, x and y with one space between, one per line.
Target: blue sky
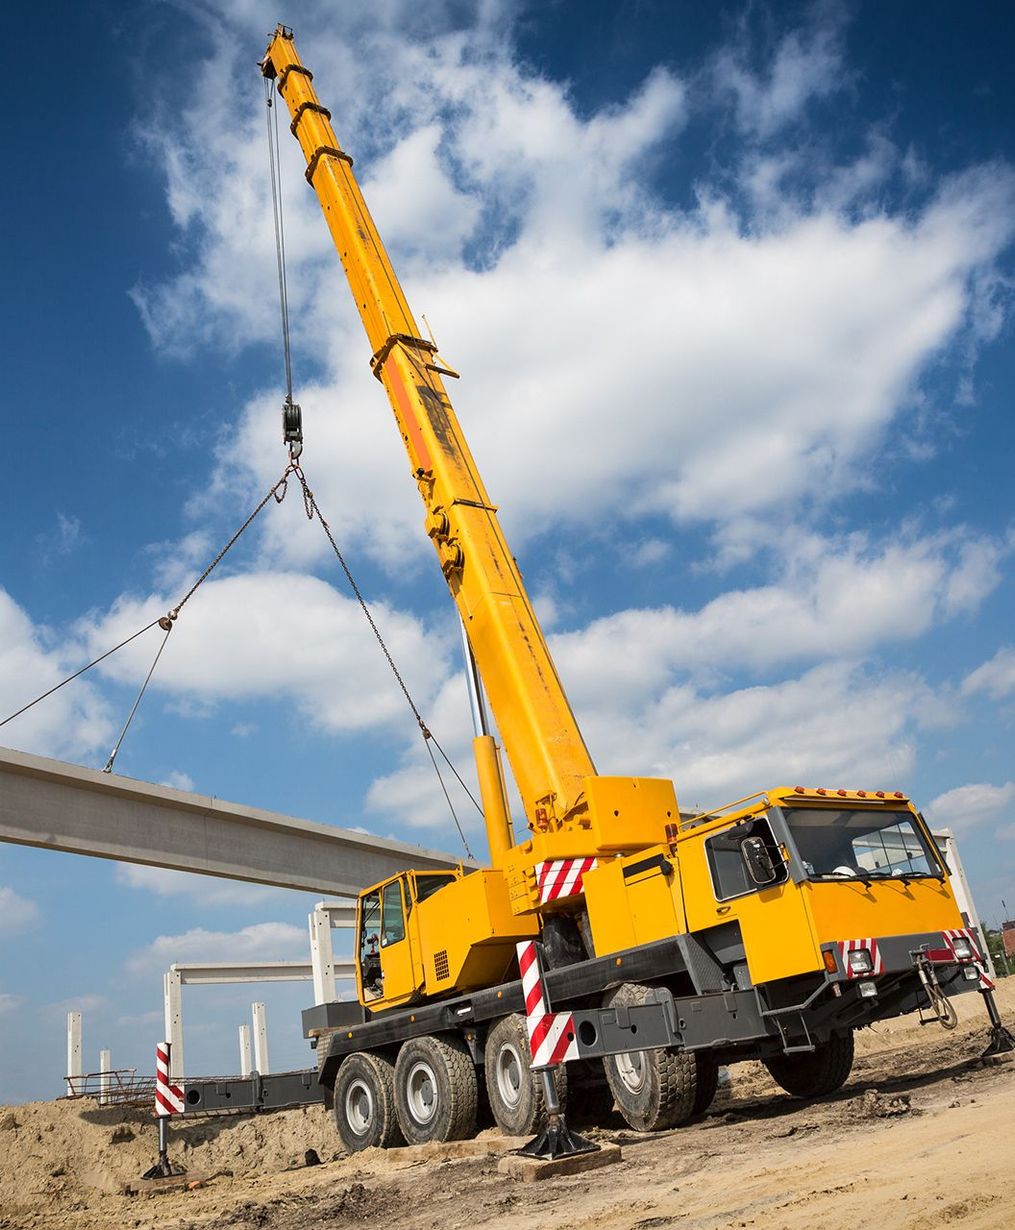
731 291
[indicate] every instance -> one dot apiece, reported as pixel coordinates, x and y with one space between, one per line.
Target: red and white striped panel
562 877
848 946
551 1034
168 1097
986 983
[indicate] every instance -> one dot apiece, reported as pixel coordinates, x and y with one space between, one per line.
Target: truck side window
730 877
392 917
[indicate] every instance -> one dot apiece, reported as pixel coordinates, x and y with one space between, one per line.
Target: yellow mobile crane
768 929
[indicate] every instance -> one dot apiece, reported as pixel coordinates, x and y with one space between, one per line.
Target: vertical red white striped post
551 1034
168 1097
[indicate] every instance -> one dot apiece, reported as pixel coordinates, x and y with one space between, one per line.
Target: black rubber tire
436 1090
653 1090
815 1073
707 1083
364 1106
515 1092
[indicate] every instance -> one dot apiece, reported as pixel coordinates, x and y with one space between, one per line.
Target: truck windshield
859 845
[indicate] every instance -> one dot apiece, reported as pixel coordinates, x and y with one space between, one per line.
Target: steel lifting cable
293 435
276 204
313 511
165 622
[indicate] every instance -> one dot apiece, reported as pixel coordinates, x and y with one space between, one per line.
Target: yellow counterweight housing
460 938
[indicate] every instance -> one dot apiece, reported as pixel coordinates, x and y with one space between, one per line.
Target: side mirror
757 860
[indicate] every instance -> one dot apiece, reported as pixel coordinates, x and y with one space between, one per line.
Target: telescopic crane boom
570 810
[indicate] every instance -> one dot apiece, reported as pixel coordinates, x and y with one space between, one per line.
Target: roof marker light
821 790
880 794
861 794
799 790
841 793
899 794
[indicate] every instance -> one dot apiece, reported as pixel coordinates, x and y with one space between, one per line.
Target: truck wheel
816 1073
707 1083
436 1091
365 1102
653 1089
514 1090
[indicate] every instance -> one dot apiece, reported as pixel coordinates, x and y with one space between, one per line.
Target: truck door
399 972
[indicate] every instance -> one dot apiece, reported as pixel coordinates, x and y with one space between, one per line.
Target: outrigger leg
163 1168
556 1139
1001 1040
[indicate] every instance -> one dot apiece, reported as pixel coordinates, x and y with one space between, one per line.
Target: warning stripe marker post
168 1102
551 1042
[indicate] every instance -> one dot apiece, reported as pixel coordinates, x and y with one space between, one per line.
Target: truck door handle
723 909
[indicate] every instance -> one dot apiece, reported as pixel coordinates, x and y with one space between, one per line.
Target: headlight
962 948
868 990
971 973
860 962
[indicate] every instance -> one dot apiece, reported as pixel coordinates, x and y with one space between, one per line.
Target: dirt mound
59 1155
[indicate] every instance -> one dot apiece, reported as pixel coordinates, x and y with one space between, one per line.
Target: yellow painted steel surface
461 938
890 907
541 737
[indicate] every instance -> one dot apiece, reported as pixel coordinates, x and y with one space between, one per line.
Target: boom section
541 737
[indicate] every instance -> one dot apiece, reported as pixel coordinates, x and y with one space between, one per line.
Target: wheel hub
632 1068
359 1107
421 1092
509 1076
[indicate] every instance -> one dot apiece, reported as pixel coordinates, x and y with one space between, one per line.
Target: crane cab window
729 866
392 914
369 936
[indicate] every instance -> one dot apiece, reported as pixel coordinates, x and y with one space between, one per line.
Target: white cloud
203 890
801 339
806 64
71 722
834 598
996 676
16 912
267 941
178 780
282 634
975 804
85 1003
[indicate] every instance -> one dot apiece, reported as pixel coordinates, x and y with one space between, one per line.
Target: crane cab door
389 970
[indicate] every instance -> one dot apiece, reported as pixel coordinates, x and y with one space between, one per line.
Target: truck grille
440 964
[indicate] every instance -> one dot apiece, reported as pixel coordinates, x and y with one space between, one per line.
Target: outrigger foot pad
1001 1042
556 1140
164 1169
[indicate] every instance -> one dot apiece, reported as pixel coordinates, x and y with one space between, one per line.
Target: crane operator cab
387 957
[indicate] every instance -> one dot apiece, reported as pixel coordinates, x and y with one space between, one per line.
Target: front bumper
897 954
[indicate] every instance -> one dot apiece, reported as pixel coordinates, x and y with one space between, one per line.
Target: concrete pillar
73 1051
244 1050
105 1077
322 955
260 1039
172 984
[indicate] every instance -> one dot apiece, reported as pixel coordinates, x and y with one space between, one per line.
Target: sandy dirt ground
922 1136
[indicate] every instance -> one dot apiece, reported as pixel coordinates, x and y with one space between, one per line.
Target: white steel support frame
963 894
326 915
74 1069
217 973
